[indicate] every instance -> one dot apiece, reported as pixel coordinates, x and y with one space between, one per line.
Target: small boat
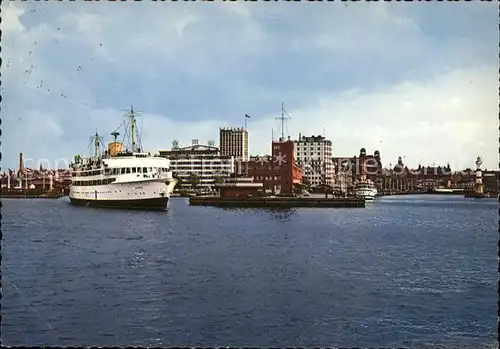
366 190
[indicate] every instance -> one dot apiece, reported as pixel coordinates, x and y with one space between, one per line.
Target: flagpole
245 122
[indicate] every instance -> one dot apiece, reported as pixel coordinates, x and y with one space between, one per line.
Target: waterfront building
233 141
428 177
490 181
199 166
349 169
40 179
239 187
278 172
314 155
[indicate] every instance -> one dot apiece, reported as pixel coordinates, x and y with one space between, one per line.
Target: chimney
288 138
21 163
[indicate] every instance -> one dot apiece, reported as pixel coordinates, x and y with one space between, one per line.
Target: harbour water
405 271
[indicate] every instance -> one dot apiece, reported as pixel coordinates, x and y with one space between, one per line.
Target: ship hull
366 193
154 204
142 195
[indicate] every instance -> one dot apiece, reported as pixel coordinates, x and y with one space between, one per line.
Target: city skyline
413 81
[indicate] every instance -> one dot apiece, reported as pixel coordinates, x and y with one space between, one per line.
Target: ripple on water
397 274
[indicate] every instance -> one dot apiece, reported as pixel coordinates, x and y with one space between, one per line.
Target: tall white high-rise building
314 155
233 141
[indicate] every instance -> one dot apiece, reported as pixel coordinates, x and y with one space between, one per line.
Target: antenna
175 144
283 117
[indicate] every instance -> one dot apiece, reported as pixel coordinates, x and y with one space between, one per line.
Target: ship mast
131 114
132 126
96 145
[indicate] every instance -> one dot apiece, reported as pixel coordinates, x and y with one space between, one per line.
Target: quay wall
276 202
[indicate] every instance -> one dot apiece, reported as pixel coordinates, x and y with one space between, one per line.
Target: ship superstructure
365 188
121 178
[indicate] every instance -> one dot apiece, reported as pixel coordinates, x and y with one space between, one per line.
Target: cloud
378 76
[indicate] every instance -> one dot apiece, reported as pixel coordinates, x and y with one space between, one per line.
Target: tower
362 158
233 141
479 186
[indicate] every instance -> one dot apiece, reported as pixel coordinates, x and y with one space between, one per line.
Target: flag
247 116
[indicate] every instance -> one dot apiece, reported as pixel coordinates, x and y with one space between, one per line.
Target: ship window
139 169
144 170
134 169
128 169
150 169
122 171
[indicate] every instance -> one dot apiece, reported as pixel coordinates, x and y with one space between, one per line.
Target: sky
416 80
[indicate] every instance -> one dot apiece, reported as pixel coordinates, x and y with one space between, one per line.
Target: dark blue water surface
405 271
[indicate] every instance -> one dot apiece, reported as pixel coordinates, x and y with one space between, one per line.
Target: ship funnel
114 148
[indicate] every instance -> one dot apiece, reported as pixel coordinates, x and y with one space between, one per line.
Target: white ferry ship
122 179
366 189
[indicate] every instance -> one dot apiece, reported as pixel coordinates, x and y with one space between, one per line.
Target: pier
276 202
15 193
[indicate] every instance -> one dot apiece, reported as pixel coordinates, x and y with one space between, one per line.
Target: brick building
278 172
